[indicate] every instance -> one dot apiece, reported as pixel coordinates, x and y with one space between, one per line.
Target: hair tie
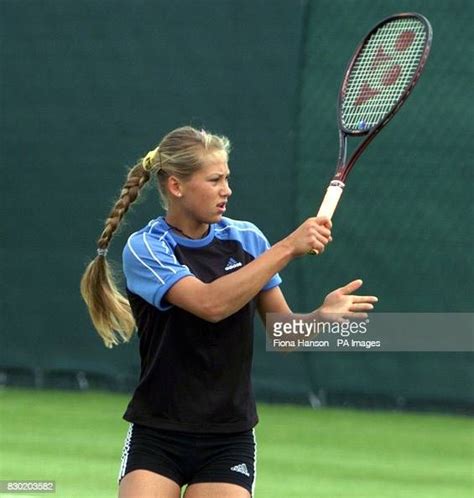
102 252
148 162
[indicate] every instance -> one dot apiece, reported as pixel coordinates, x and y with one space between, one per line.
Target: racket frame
343 167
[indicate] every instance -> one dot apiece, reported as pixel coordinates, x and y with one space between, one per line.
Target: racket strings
384 68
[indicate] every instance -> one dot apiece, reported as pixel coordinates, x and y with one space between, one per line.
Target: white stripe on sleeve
143 263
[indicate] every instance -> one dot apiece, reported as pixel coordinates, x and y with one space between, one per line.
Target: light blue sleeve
254 242
263 245
151 268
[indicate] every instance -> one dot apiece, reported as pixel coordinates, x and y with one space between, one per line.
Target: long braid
109 309
137 177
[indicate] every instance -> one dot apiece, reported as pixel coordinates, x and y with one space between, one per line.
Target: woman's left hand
341 304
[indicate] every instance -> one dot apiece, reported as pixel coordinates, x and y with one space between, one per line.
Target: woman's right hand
312 235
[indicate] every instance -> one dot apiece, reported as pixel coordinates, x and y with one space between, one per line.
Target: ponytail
109 309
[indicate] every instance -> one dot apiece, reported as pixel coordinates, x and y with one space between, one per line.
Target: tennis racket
379 78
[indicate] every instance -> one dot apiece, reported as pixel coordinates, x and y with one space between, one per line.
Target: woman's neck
187 228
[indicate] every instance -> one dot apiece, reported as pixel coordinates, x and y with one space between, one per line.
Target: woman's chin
215 218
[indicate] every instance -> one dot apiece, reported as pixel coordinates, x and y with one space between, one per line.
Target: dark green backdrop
89 86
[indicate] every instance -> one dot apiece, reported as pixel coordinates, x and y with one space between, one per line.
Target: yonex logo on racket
387 76
383 70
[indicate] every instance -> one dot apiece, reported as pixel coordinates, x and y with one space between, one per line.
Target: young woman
194 279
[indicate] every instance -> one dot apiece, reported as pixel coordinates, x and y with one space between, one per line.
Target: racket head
382 72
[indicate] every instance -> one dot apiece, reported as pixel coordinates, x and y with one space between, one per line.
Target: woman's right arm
226 295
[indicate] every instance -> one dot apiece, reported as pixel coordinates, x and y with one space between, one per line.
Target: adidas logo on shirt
241 468
231 264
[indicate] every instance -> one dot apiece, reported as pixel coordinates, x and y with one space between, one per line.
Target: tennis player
194 279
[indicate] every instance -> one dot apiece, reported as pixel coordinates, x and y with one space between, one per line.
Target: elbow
213 312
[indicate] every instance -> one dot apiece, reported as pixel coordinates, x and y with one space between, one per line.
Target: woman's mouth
221 207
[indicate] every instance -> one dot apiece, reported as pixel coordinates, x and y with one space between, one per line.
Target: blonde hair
180 154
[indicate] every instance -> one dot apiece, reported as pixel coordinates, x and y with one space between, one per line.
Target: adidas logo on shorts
231 264
241 468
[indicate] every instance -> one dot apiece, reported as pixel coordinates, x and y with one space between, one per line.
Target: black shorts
189 458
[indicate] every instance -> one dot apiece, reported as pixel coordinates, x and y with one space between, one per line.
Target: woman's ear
174 186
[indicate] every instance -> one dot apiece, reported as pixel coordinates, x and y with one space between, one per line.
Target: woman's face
205 195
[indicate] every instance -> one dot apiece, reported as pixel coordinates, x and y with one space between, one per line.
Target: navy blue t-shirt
195 375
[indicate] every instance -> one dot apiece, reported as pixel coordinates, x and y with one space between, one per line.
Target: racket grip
333 194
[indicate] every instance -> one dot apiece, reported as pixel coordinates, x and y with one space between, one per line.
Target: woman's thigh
216 490
146 484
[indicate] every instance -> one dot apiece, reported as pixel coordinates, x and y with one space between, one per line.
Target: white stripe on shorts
254 463
125 451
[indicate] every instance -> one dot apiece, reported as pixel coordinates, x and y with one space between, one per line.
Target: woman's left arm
271 301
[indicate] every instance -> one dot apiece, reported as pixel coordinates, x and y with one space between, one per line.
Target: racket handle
333 194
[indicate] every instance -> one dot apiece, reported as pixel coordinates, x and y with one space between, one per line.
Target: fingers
322 234
319 230
323 238
325 221
351 286
318 245
361 304
361 307
365 299
358 316
312 236
348 316
322 225
316 248
322 228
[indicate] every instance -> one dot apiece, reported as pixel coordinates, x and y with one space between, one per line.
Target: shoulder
151 239
228 228
244 232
